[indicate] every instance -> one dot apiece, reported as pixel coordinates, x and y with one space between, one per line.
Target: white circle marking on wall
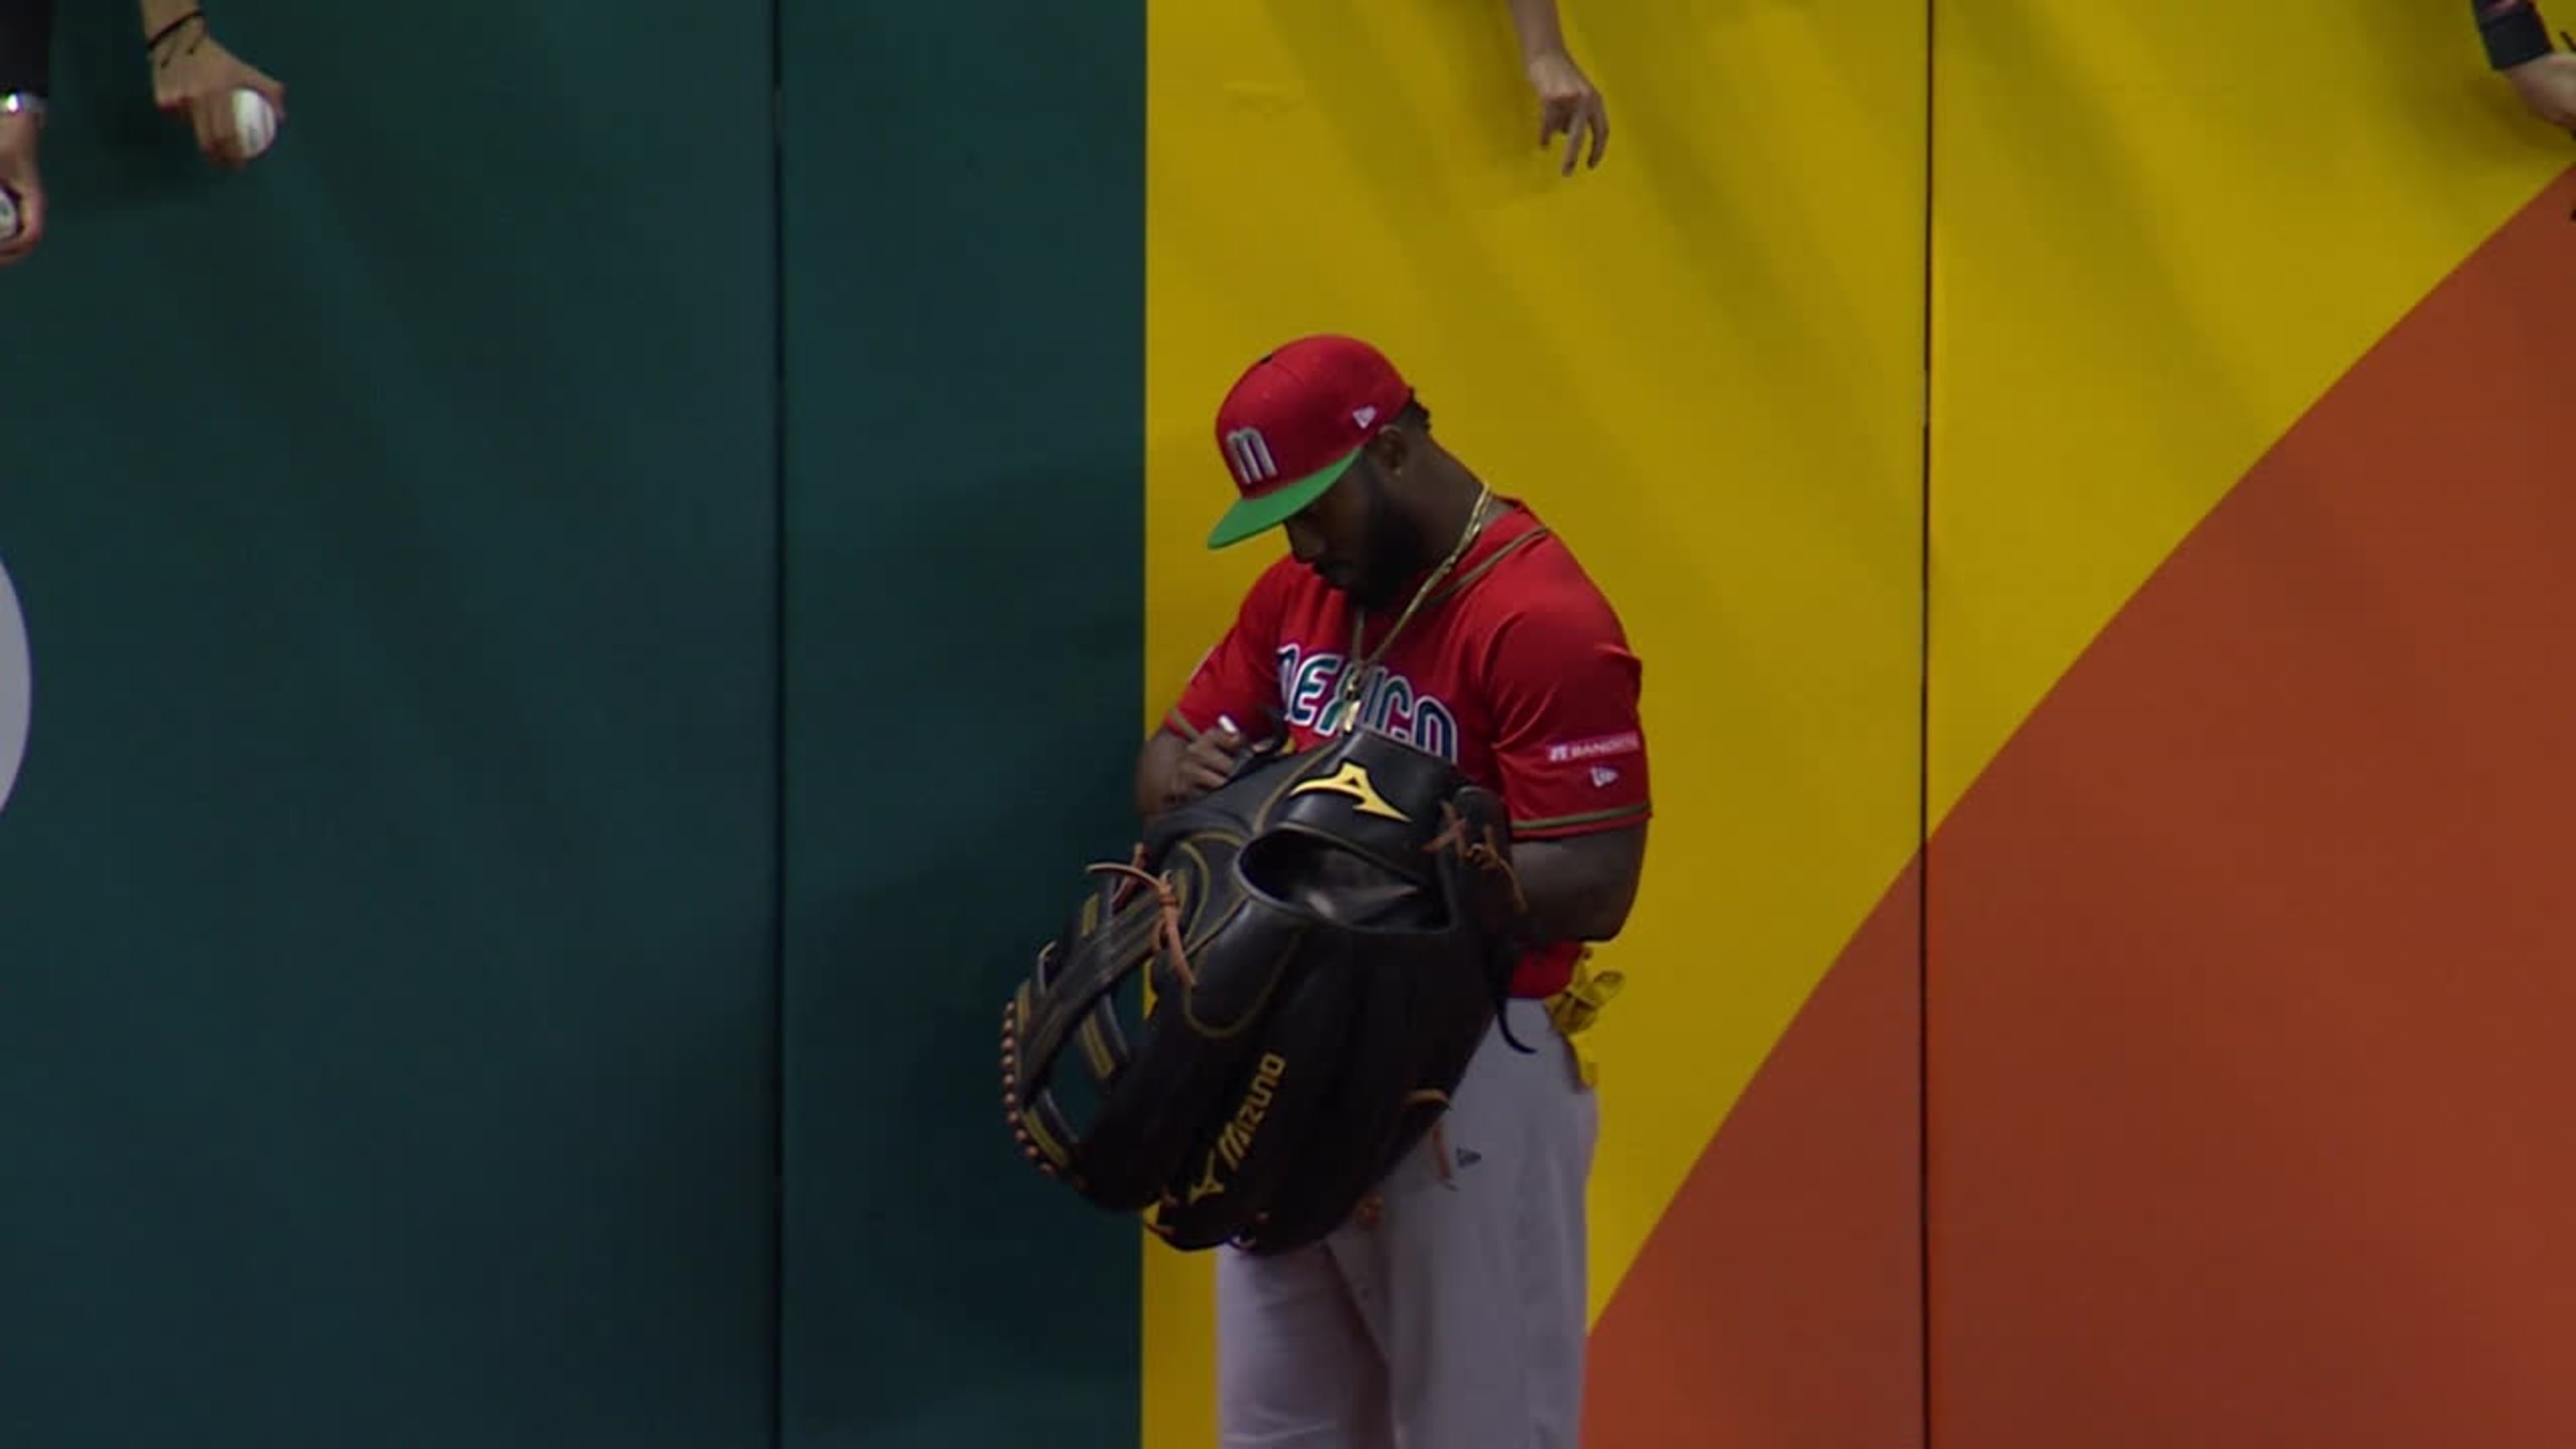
17 687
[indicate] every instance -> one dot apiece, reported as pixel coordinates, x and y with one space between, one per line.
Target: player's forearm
1536 23
26 46
1157 769
2511 30
164 15
1580 889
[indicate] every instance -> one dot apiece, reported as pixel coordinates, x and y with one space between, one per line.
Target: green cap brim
1250 516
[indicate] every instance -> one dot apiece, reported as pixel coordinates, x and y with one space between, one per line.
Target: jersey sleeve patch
1596 747
1570 742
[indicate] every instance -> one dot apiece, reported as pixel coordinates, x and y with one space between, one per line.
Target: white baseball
255 120
17 686
8 214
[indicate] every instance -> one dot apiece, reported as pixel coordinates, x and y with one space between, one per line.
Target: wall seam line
1923 745
779 844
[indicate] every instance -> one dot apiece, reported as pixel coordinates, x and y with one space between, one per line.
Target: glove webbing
1102 1041
1043 1131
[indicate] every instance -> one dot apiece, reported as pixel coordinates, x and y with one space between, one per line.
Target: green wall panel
964 299
387 911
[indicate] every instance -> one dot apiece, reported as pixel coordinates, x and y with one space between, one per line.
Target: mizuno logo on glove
1353 780
1236 1138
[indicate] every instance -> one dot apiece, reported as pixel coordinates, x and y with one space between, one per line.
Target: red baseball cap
1293 424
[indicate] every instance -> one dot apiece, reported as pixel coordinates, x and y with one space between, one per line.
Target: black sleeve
26 46
2512 29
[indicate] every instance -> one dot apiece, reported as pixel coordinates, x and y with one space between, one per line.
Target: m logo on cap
1248 453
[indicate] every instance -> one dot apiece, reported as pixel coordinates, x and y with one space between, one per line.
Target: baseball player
1416 600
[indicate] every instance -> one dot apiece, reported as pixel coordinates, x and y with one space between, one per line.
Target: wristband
166 31
2513 33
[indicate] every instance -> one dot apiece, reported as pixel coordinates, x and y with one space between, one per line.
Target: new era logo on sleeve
1248 454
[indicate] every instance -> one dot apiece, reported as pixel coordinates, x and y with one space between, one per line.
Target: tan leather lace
1167 927
1485 854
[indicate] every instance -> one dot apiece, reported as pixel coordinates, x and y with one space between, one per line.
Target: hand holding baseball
22 190
233 106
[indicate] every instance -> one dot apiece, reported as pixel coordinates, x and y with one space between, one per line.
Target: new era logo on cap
1294 421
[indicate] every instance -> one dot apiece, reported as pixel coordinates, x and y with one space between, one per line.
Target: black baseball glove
1272 1002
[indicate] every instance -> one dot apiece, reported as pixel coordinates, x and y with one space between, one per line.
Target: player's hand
2547 86
18 173
1568 104
1208 763
194 76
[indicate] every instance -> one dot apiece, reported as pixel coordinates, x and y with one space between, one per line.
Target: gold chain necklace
1345 712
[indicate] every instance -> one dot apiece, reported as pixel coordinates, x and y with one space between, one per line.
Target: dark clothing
2512 29
26 46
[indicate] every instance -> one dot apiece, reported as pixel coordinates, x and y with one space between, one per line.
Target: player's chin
1360 587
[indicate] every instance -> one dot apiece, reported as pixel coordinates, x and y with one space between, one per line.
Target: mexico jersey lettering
1517 671
1311 682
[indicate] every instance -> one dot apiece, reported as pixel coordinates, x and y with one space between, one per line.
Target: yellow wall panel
2162 232
1701 362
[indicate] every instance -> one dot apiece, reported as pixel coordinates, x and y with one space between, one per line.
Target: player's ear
1390 448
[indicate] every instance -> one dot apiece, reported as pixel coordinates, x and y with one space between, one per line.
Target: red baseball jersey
1516 670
